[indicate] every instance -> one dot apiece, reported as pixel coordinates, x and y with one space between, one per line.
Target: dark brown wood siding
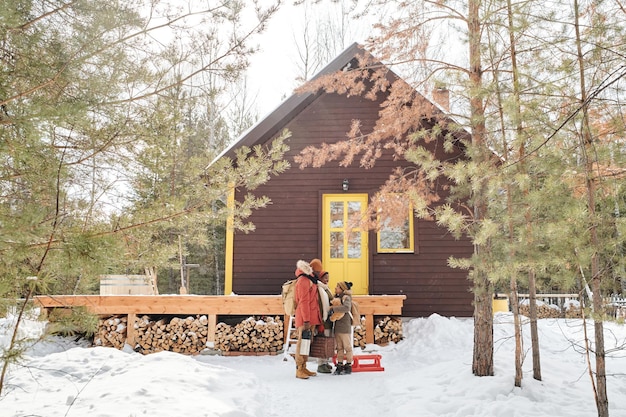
289 228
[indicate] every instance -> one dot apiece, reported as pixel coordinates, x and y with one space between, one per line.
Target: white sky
274 70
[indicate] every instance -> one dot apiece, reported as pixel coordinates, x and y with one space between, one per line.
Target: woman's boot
309 373
300 366
300 372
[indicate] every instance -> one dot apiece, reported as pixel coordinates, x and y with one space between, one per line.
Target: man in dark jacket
325 296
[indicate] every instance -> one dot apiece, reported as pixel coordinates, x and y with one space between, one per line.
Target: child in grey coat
340 315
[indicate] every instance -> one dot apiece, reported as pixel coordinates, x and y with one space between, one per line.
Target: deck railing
211 305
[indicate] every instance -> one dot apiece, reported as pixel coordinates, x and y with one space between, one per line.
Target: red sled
364 363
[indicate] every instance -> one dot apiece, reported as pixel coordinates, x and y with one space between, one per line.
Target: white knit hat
304 267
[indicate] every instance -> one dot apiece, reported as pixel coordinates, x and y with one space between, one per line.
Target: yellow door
344 248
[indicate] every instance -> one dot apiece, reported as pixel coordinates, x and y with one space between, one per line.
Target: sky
426 374
275 68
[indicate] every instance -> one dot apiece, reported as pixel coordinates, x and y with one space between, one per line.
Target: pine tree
81 83
519 99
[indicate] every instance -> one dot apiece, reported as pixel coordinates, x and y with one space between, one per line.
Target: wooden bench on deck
210 305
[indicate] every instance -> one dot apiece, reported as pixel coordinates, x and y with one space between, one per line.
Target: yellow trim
500 305
345 269
230 237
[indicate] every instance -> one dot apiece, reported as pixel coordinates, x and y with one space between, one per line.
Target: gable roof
270 125
273 123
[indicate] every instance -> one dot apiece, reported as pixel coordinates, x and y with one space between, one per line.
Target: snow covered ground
426 374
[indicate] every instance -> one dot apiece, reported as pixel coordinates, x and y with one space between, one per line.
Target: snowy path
319 395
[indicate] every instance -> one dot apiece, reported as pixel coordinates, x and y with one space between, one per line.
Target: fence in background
615 304
126 285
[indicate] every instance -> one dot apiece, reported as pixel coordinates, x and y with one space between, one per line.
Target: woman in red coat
308 314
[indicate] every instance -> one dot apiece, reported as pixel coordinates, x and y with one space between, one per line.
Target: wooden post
152 276
211 328
286 328
183 286
130 330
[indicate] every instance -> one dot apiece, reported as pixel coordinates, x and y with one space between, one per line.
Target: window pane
336 214
336 245
354 245
395 237
354 213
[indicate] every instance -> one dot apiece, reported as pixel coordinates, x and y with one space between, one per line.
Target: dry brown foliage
402 113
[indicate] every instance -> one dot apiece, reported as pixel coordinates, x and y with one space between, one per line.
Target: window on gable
396 235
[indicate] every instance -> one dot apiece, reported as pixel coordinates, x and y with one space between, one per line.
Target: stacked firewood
388 330
544 311
573 311
359 335
189 335
251 335
111 332
182 335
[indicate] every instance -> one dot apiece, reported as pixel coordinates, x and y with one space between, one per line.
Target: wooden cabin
308 216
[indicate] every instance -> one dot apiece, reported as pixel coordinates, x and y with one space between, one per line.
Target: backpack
354 313
288 294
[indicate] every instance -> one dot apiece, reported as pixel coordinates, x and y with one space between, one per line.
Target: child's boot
338 369
347 369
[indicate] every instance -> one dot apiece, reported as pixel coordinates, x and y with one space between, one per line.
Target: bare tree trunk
183 281
517 325
216 262
522 150
77 285
602 401
517 322
534 333
13 343
482 363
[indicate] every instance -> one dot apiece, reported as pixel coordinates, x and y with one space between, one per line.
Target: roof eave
270 125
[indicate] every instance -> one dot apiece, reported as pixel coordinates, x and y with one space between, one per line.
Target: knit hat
304 267
344 285
316 264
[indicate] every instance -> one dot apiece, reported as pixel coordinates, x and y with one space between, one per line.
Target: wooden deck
210 305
